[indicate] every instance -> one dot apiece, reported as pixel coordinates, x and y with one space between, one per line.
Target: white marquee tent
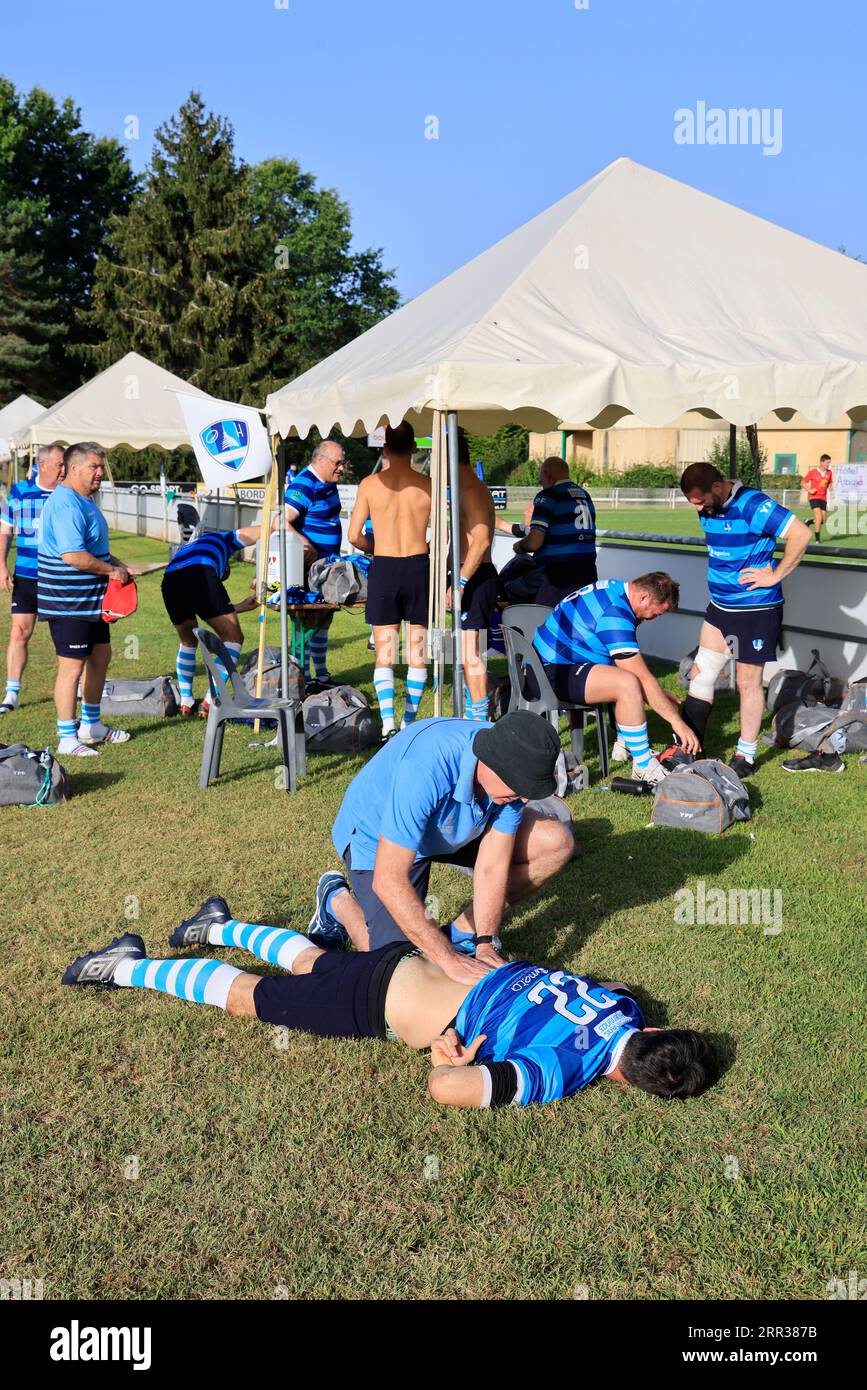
635 293
132 402
13 417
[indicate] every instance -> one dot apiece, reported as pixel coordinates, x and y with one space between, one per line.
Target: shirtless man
397 503
520 1034
478 581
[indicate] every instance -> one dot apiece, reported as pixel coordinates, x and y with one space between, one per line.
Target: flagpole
262 577
278 453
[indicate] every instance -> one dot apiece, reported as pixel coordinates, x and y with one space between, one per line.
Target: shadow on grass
615 873
83 783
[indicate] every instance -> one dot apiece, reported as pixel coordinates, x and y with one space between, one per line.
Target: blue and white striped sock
637 743
185 669
476 710
90 713
13 691
67 728
747 750
198 981
318 649
234 650
383 684
276 945
416 679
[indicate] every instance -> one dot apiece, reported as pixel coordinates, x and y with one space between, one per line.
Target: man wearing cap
444 791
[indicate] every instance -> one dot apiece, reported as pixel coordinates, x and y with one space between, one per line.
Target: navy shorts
24 595
195 592
77 637
381 926
558 581
752 633
398 589
342 997
479 599
567 682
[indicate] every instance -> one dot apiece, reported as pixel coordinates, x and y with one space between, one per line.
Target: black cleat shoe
97 967
815 762
194 932
744 767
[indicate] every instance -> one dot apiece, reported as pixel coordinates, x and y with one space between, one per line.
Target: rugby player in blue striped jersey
313 510
519 1035
193 589
745 615
589 649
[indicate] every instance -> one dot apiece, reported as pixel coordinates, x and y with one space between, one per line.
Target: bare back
398 500
422 1001
477 514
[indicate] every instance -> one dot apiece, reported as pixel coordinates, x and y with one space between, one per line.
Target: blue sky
532 98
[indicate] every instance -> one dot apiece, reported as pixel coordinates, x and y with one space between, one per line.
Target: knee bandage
709 664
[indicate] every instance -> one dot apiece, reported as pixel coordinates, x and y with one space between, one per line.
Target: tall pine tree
28 308
183 283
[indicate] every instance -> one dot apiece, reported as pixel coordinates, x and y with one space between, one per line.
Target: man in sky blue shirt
21 520
745 615
75 565
444 791
313 510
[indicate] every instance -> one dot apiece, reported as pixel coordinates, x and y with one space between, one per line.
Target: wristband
464 582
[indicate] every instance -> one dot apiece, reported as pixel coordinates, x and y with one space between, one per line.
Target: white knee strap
703 684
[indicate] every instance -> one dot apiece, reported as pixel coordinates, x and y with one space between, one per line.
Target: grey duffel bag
271 675
339 721
338 581
707 796
31 778
816 684
158 698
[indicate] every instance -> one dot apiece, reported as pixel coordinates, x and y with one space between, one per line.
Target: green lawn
262 1168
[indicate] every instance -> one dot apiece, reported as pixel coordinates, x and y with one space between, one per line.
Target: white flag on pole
230 441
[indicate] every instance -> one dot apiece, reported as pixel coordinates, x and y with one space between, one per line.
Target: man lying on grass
520 1034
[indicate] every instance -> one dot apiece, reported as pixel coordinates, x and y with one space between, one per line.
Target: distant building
793 447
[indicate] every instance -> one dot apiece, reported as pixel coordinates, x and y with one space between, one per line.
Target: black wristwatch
490 941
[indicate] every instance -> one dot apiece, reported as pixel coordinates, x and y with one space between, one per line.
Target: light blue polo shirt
71 522
418 792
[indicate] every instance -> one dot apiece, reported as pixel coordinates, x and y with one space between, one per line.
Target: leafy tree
70 182
27 307
749 470
505 454
184 284
324 294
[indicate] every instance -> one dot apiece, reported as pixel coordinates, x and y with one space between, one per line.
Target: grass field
153 1149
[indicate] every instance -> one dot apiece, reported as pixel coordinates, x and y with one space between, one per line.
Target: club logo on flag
227 442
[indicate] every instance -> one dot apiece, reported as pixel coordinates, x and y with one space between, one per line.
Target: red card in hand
119 600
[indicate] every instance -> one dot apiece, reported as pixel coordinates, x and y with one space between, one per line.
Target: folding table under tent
635 294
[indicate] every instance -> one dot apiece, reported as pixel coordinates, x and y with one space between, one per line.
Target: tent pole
280 460
733 451
262 577
455 524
